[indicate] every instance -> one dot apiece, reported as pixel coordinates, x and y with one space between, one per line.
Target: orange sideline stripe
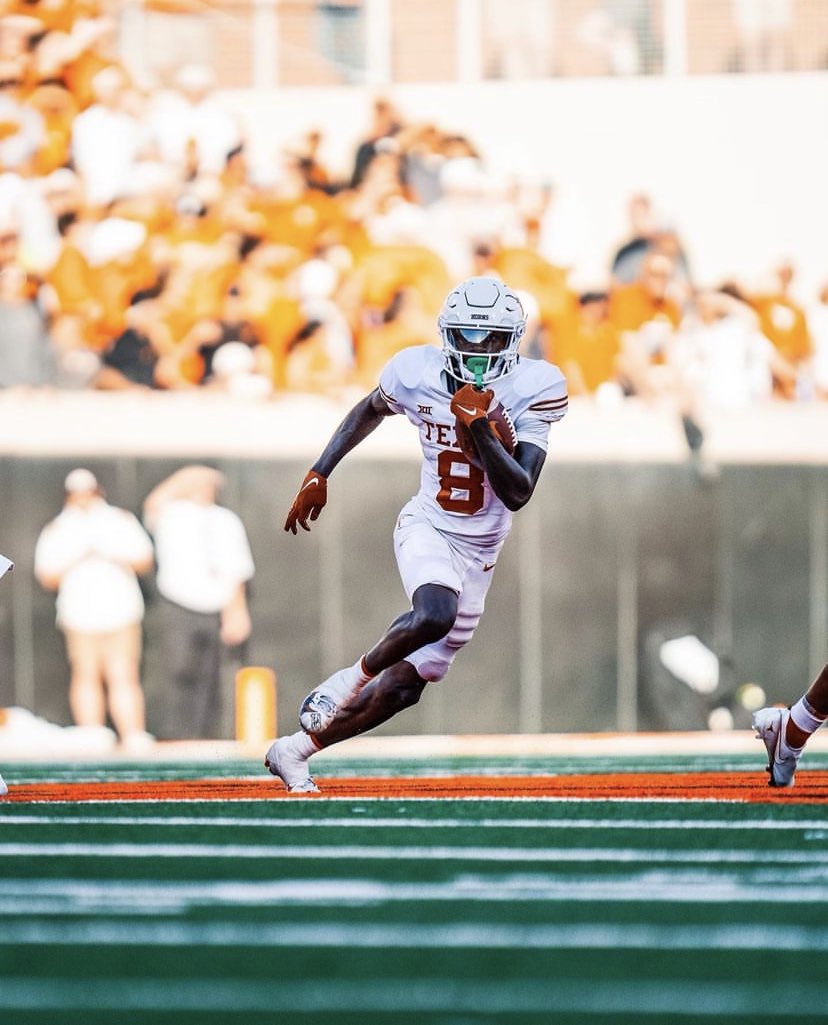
811 788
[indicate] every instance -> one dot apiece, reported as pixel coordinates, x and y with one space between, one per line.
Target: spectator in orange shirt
57 108
77 317
783 321
588 352
646 318
404 323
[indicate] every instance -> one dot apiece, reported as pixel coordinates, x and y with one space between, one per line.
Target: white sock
806 717
362 671
342 686
302 744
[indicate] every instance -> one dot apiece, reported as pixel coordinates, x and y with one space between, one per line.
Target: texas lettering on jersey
455 495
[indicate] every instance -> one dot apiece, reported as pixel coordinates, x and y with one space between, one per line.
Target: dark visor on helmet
482 339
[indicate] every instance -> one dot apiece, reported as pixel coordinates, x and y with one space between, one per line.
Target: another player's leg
785 731
432 615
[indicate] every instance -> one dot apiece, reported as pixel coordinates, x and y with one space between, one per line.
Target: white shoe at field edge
291 769
770 724
3 788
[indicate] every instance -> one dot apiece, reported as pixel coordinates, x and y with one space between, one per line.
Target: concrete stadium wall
609 559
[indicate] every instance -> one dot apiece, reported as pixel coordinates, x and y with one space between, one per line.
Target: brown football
504 430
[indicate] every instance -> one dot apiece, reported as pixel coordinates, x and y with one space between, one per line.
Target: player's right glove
468 404
309 502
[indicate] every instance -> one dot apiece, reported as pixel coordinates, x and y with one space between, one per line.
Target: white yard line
479 936
364 852
27 898
816 824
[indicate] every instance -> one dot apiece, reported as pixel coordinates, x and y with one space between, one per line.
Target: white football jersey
455 495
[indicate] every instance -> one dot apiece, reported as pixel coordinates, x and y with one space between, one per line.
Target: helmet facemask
481 325
478 355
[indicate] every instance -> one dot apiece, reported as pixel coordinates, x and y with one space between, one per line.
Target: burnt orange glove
309 502
468 404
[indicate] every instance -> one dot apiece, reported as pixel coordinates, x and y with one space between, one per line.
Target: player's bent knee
434 612
432 622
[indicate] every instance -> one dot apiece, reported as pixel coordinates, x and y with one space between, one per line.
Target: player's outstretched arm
364 418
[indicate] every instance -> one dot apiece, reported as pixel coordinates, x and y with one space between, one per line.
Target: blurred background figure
107 139
204 566
818 320
765 34
646 317
91 554
192 129
783 320
588 352
723 357
27 357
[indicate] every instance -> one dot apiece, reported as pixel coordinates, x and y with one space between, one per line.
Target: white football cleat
770 724
291 768
317 713
3 788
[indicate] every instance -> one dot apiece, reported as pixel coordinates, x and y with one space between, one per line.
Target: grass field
626 889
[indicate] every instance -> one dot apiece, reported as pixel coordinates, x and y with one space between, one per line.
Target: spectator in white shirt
193 116
723 356
90 554
107 140
204 564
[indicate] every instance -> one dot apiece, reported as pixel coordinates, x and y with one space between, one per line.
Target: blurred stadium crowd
139 249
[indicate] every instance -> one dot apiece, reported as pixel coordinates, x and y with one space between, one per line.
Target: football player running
448 537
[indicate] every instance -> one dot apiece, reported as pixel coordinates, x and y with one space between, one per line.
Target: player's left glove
309 502
468 404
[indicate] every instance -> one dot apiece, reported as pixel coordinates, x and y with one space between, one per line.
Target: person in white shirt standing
204 564
91 554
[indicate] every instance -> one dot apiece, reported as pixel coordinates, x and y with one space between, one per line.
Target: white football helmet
481 322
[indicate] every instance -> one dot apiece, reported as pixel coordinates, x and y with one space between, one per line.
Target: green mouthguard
477 364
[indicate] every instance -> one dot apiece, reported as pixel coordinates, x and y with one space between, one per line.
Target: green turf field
384 911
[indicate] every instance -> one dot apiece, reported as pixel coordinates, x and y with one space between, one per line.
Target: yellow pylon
255 705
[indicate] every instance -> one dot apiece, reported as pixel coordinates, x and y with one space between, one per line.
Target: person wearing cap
204 566
91 554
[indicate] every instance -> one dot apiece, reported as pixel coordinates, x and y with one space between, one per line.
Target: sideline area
426 748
